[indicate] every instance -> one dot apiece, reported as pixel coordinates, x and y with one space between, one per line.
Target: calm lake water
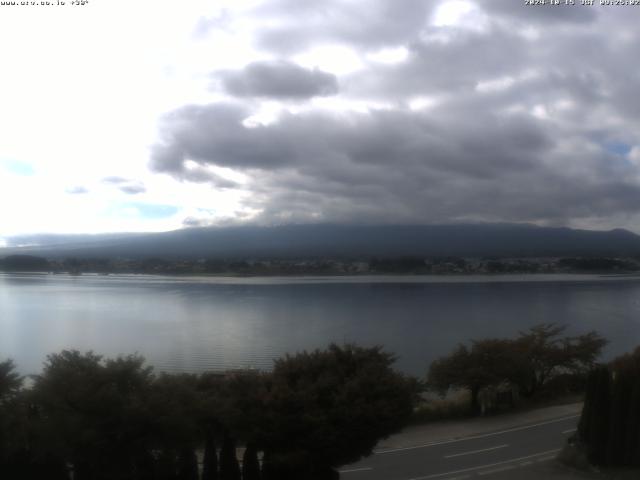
193 324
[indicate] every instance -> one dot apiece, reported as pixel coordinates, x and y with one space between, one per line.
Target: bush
115 419
609 425
434 409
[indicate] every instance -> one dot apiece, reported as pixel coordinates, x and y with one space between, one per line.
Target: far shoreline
371 278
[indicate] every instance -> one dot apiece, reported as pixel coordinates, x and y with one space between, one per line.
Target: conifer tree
250 463
210 459
187 464
610 423
599 435
166 466
267 472
620 401
633 430
229 468
587 418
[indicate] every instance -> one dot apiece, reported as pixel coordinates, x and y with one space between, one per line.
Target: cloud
133 189
494 112
280 80
339 110
205 24
537 14
451 66
193 222
170 157
405 166
292 26
216 135
77 190
125 185
114 180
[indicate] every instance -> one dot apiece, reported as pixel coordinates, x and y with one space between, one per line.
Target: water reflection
193 324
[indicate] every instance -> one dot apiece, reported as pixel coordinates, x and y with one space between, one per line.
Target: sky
153 115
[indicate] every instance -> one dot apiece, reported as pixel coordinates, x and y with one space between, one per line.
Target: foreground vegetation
92 418
539 360
609 429
115 419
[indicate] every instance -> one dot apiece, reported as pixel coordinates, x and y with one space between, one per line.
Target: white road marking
474 437
571 430
476 451
363 469
480 467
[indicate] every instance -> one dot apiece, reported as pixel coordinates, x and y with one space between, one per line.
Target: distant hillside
499 240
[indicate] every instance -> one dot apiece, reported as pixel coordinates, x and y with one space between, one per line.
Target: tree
488 362
114 419
13 432
187 464
210 459
528 361
10 380
632 456
229 468
250 463
232 407
167 468
174 408
621 392
24 263
95 412
624 436
609 426
328 408
593 427
236 402
543 354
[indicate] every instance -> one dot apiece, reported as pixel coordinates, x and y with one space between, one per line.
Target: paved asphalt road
490 455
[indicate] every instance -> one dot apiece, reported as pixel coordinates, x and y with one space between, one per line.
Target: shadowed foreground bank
609 430
104 419
101 419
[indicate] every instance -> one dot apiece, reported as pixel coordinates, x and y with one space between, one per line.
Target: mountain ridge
334 240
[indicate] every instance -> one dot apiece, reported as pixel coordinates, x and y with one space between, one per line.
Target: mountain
297 241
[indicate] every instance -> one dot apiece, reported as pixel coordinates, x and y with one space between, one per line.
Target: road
487 456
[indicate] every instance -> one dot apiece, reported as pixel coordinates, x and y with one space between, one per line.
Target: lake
196 323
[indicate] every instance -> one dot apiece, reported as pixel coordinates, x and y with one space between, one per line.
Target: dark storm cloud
280 79
201 175
410 196
528 102
170 157
215 134
399 166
